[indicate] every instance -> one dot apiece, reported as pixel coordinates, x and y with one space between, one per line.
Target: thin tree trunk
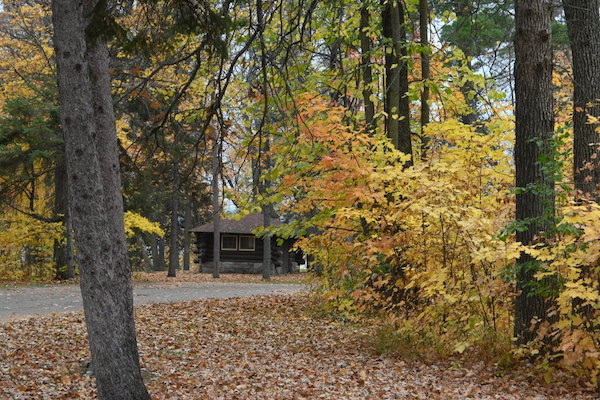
187 236
583 26
154 250
263 188
266 210
216 206
267 246
425 72
174 242
69 247
159 261
392 77
396 97
365 63
404 134
95 200
144 252
60 207
160 264
534 131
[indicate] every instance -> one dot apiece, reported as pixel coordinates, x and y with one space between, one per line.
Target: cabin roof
245 225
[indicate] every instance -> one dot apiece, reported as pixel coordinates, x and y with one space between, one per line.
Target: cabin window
247 243
229 242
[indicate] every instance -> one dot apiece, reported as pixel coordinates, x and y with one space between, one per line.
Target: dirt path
16 303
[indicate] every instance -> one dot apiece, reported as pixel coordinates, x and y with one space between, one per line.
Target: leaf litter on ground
195 277
268 347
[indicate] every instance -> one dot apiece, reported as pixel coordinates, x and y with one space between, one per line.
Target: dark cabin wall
205 241
227 255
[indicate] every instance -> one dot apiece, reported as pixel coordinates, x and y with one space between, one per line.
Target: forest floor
264 347
182 276
193 276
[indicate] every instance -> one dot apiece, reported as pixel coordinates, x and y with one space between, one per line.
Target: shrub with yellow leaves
430 243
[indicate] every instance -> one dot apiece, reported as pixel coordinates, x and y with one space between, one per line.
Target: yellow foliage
26 247
427 241
134 221
390 236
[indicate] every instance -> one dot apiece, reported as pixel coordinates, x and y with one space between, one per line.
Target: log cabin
241 250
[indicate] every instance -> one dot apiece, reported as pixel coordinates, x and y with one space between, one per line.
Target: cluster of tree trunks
534 137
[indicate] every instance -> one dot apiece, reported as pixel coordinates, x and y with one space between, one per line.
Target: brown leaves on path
267 347
195 277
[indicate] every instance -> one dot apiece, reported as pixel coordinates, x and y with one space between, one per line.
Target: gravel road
20 302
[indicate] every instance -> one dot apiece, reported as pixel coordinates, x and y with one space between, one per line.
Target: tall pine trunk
583 26
534 131
87 120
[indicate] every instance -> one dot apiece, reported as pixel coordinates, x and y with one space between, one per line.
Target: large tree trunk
534 131
95 201
583 26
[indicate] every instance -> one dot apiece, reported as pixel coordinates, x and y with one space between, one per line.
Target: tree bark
69 247
144 252
264 187
62 261
187 236
154 250
160 264
392 77
159 242
87 119
174 239
404 134
534 131
216 206
266 210
396 69
425 71
583 27
365 63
